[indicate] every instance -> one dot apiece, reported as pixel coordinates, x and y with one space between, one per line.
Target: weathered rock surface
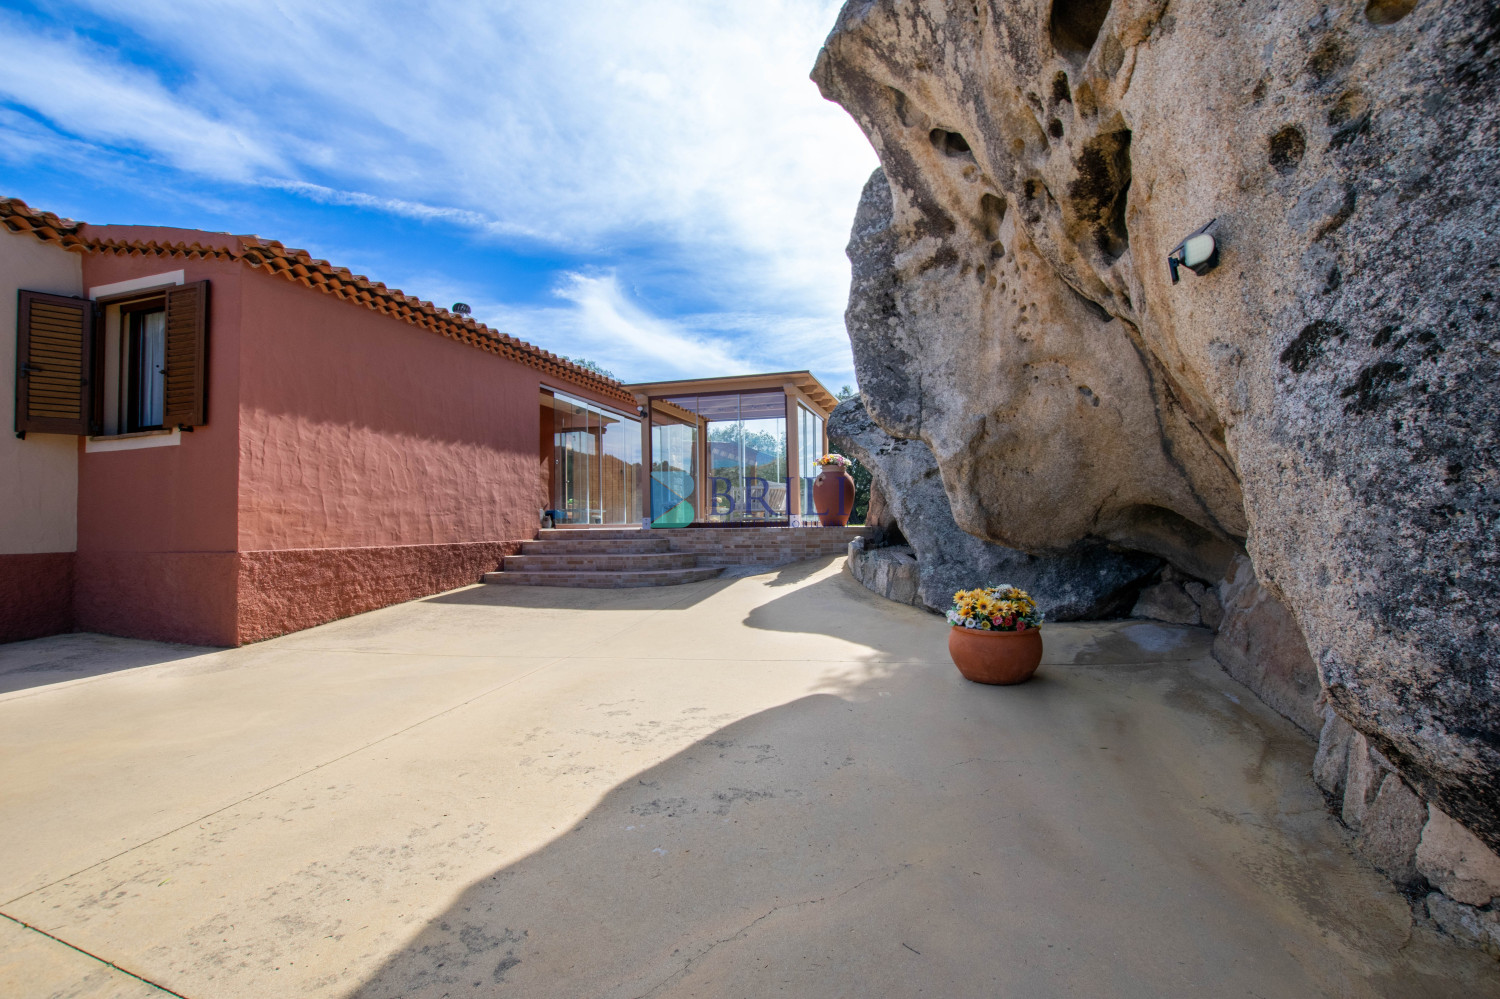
1260 645
890 571
1478 927
1327 400
1454 860
1392 829
1167 602
1086 580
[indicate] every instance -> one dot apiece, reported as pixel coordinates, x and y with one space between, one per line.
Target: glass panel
747 456
809 449
149 378
725 457
765 466
632 460
612 471
595 464
674 470
595 505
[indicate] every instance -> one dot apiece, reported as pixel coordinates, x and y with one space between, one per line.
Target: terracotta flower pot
996 656
833 497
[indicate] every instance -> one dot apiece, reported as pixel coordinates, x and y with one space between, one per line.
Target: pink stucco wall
157 527
359 430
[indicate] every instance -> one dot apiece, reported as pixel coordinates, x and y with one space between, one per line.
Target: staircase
599 558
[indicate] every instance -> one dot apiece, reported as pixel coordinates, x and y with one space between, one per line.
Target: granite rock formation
1086 580
1325 401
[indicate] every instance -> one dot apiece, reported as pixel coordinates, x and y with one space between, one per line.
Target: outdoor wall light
641 410
1199 253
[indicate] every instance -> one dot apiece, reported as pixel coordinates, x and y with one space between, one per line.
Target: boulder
1167 602
1326 401
1086 580
1456 862
1475 927
1331 764
1392 829
890 571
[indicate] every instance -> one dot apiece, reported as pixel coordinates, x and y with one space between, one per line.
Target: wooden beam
793 466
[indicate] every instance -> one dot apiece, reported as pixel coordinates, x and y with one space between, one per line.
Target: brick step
592 533
604 546
604 580
599 562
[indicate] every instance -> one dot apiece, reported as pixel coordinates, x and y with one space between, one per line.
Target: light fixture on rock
1199 253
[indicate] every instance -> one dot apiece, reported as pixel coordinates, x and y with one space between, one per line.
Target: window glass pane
593 454
764 471
145 366
153 367
809 450
674 471
612 468
632 461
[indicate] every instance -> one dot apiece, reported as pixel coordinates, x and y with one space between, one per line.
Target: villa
220 439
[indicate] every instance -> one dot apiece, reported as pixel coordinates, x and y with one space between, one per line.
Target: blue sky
651 184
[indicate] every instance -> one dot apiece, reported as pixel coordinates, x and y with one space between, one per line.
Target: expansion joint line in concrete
90 955
326 763
297 776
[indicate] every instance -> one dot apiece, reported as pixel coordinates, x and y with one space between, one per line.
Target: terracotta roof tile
301 267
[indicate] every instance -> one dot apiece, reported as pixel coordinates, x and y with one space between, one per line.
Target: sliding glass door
595 473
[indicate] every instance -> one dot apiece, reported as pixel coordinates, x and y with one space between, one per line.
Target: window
595 463
809 450
143 347
116 366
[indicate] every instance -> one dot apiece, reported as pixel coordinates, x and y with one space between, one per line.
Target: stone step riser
603 580
597 562
592 534
603 546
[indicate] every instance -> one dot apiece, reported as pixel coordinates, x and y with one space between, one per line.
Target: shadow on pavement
1100 832
59 658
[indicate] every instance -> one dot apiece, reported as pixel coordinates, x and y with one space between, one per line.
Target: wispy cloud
675 142
400 206
92 94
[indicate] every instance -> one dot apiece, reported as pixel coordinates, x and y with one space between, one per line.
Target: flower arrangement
994 608
837 460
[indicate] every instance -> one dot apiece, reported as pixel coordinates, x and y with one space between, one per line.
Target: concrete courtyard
767 785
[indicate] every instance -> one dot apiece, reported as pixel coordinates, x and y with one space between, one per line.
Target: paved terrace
770 785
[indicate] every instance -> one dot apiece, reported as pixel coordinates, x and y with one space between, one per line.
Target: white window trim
133 442
147 283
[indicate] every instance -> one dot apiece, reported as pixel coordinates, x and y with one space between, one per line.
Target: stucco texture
358 430
36 595
285 591
39 484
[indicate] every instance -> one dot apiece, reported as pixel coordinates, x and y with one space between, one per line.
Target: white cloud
684 125
90 94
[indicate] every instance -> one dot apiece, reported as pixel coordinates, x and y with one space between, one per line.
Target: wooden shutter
186 398
54 364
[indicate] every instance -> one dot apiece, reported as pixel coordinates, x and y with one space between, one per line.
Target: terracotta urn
833 496
996 656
